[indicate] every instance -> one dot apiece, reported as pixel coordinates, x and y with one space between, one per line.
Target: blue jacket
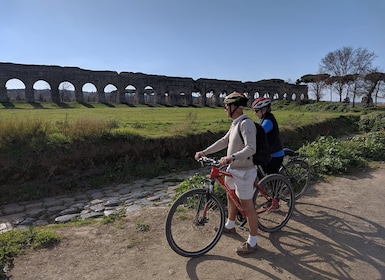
270 125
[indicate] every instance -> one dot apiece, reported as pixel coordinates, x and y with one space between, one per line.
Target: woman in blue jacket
262 108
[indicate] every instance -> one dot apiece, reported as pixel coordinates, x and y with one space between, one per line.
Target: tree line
349 73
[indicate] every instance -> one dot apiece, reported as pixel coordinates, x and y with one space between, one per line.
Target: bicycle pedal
245 229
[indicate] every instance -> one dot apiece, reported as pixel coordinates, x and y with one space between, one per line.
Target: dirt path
337 232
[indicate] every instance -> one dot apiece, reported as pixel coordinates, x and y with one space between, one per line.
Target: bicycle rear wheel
189 233
274 203
298 173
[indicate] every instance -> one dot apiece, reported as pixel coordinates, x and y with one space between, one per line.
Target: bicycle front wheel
274 202
194 223
298 173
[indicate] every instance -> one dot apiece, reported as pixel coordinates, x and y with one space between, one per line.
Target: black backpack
262 155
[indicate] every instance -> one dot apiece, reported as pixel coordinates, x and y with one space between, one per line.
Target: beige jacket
243 152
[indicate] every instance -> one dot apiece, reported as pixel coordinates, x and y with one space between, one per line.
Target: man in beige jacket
240 159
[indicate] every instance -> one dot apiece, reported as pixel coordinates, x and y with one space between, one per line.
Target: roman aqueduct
134 88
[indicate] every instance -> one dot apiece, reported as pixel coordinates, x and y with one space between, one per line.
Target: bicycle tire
299 174
274 208
187 234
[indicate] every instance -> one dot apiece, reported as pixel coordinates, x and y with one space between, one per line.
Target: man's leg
232 213
252 219
251 216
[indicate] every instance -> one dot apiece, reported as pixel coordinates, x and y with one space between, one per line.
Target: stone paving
93 203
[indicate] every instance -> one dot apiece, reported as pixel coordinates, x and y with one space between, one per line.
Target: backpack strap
239 129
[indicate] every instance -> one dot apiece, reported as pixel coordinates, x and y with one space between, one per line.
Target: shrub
372 122
329 155
200 181
193 182
370 146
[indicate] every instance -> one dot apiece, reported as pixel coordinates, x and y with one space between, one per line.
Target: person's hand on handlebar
222 161
225 160
199 155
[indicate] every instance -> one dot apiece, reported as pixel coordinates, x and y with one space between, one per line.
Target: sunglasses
257 110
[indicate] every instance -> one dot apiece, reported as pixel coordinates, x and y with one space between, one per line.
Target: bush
370 146
193 182
200 181
372 122
329 155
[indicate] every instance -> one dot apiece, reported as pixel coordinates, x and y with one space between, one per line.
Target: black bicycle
296 168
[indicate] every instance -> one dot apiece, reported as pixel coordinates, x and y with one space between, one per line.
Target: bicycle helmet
236 98
260 103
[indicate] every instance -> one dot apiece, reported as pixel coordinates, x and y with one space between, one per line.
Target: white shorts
242 182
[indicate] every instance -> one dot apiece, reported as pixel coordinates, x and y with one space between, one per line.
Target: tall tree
317 84
351 80
376 82
347 61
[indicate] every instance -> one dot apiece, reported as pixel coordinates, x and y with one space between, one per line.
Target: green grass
142 120
84 145
15 242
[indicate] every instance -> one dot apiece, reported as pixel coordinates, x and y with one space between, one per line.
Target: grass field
79 146
147 121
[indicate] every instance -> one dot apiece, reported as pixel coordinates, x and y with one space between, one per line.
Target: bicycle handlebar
206 161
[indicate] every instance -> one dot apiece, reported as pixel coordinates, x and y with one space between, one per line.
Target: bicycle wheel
274 203
298 173
188 232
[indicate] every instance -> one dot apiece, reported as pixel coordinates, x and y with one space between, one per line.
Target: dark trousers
273 166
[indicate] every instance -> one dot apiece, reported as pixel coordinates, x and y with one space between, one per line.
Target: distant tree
317 84
351 80
347 61
336 82
376 82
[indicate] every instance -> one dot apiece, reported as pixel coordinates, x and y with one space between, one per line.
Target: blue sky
221 39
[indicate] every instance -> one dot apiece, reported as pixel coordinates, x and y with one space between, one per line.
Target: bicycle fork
203 219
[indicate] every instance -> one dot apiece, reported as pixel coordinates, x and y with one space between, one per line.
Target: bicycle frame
218 174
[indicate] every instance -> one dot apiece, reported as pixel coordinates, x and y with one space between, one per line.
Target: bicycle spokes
191 223
274 202
298 173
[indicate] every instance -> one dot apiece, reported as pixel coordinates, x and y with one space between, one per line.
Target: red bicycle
194 216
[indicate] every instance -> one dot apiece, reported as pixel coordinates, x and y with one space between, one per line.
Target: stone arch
182 99
89 92
111 93
211 97
196 98
301 96
42 91
15 88
130 94
163 96
222 94
149 95
66 91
